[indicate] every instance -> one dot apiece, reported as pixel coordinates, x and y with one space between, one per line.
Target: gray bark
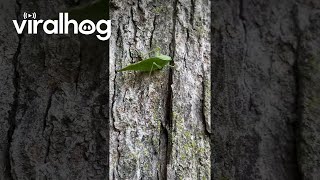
54 100
158 122
265 59
308 66
242 101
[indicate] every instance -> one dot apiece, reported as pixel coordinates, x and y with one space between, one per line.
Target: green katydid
150 64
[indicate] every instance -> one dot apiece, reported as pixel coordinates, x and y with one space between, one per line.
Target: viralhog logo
61 26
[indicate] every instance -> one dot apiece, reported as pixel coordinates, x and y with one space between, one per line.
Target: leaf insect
150 64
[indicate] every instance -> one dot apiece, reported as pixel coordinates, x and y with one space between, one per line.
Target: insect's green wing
163 57
148 64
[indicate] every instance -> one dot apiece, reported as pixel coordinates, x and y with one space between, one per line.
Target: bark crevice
298 93
48 146
49 103
243 21
207 131
112 113
166 127
77 79
152 31
15 105
45 120
135 31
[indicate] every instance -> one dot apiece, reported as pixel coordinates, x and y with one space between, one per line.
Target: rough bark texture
265 60
254 90
159 120
54 96
242 101
308 66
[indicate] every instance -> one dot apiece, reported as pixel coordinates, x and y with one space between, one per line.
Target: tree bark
54 96
159 121
308 67
265 59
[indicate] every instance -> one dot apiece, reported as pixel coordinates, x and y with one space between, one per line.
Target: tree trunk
159 121
54 96
241 102
265 90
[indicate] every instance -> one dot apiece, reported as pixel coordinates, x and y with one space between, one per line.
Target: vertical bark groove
166 129
14 108
298 94
15 105
307 73
152 31
77 79
49 103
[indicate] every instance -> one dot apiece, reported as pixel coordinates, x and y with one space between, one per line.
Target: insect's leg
170 65
154 64
151 70
159 67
